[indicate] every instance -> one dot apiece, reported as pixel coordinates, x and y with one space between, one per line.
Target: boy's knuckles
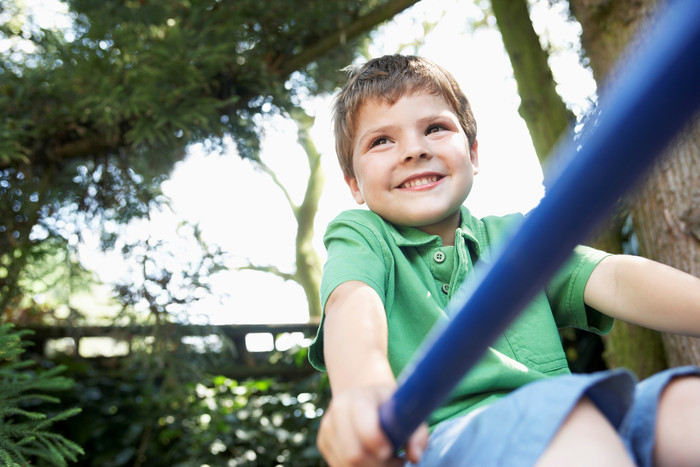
356 457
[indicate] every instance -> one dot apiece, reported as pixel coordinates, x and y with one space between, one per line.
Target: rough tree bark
664 213
666 217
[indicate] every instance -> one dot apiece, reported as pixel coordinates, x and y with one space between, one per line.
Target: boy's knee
681 392
584 427
679 404
678 423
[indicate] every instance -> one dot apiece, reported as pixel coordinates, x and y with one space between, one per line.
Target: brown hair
389 78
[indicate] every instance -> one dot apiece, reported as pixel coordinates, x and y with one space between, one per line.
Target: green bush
150 415
26 427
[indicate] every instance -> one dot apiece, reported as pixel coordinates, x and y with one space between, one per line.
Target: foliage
27 432
158 75
96 115
152 415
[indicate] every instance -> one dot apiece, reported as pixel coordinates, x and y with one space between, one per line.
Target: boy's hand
351 435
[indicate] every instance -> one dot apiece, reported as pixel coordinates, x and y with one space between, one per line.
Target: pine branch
25 434
8 452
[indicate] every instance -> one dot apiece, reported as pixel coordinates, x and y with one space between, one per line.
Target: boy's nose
416 150
416 155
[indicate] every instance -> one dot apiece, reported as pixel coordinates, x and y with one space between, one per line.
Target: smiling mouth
420 181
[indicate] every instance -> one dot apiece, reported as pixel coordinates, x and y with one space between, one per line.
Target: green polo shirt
415 276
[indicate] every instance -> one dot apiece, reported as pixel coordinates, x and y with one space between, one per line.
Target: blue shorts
516 430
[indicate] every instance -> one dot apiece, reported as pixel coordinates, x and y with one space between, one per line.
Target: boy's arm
355 338
644 292
355 352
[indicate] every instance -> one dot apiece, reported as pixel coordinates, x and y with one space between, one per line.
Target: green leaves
96 114
214 420
25 430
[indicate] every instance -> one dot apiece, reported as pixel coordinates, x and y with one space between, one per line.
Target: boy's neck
447 239
446 229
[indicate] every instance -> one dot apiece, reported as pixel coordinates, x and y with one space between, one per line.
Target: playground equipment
657 92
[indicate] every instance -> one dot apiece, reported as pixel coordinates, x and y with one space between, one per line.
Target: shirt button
439 256
445 288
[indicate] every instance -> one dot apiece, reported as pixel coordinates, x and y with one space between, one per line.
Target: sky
239 208
252 220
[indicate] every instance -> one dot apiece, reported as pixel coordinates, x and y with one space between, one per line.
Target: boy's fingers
368 427
417 443
350 435
337 441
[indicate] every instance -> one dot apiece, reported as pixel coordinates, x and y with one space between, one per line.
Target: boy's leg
664 423
516 430
586 438
678 423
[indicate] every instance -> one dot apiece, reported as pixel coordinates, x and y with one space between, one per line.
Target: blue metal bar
658 93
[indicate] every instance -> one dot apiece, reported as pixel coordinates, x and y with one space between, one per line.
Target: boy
406 141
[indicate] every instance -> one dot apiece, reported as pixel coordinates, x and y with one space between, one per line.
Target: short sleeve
355 253
565 292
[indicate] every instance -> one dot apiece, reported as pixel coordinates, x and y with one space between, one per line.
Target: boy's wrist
372 375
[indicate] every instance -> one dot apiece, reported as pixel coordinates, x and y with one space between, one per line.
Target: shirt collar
471 229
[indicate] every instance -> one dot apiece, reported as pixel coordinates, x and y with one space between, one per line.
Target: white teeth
420 181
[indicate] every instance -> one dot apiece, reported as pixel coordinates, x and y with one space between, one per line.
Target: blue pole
658 93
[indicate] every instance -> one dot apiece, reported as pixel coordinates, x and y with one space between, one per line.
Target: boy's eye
434 128
378 141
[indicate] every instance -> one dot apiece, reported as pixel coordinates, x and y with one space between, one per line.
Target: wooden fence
242 356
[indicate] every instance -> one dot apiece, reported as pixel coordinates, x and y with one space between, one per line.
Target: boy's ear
354 189
474 156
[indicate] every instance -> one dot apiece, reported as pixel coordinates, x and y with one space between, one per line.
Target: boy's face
413 164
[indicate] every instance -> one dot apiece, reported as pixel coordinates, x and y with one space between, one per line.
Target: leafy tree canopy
95 116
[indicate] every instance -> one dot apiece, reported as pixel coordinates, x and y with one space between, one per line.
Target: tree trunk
308 263
541 107
666 217
608 26
665 220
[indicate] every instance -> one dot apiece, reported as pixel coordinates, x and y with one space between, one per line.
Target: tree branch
275 179
270 270
311 52
541 107
101 143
